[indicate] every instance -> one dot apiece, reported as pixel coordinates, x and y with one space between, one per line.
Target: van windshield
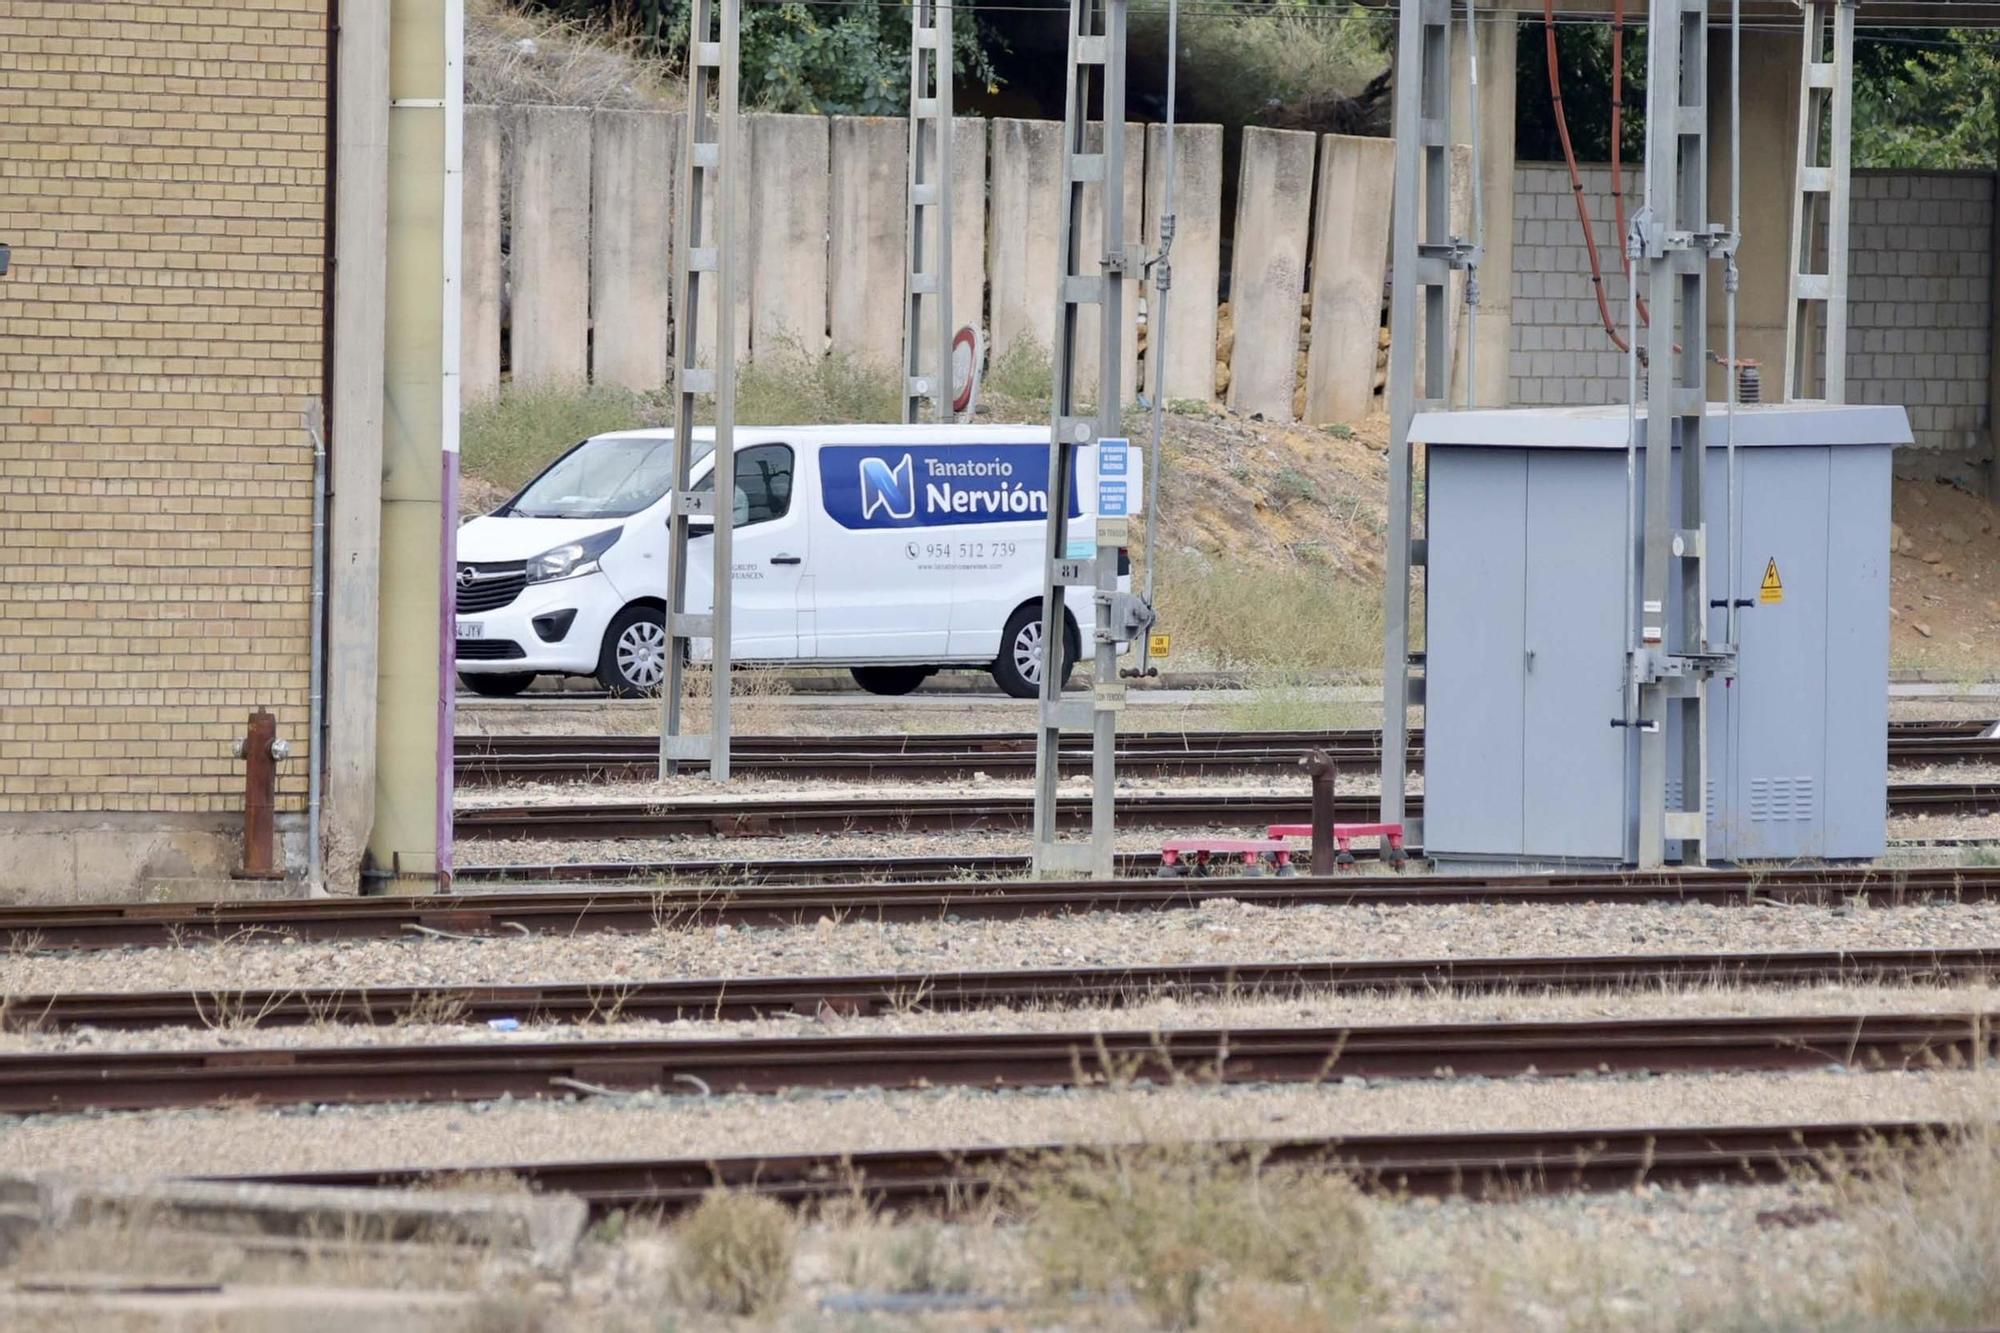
602 478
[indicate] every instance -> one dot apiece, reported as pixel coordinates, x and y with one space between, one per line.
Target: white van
889 550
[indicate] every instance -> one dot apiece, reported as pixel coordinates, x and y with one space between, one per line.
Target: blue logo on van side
930 485
887 490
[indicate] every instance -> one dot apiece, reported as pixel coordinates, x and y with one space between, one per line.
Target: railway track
493 760
69 1082
1475 1165
110 925
919 868
743 998
962 813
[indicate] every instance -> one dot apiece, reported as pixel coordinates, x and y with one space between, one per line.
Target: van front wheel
633 660
1018 669
890 679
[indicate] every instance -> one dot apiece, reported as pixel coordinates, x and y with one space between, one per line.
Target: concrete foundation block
632 187
1357 179
865 238
1197 254
550 259
1268 270
482 279
1023 229
543 1228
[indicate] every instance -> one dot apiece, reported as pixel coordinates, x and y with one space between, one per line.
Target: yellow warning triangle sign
1773 588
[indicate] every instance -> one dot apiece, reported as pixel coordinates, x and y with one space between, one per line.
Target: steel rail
1497 1165
964 813
74 1081
744 998
489 761
109 925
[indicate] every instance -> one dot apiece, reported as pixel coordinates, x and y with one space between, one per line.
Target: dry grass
1927 1230
1191 1234
735 1254
1227 611
519 58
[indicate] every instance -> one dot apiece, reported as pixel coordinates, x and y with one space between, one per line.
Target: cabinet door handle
785 559
1531 659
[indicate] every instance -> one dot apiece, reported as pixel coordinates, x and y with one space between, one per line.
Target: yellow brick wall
162 177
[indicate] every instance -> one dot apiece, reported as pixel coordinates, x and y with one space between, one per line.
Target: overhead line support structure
927 269
1817 308
705 257
1096 64
1424 254
1675 243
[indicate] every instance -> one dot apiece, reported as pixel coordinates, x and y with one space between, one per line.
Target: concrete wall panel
631 215
865 238
1092 247
550 260
1024 224
787 227
1197 256
1350 260
481 276
1268 269
968 226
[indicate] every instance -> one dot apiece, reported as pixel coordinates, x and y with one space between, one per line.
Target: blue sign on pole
1112 455
1111 501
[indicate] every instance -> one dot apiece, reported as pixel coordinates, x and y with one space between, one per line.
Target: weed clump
1188 1232
735 1254
1928 1223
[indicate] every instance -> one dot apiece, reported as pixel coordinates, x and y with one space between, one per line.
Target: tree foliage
1925 100
849 59
1922 98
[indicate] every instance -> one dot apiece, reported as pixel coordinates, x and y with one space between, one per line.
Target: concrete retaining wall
632 185
586 208
1268 269
550 261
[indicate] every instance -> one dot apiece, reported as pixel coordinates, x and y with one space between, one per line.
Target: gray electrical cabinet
1528 614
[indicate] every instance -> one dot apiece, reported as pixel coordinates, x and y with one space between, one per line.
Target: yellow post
412 833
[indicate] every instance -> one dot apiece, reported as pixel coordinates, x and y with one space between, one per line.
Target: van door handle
785 559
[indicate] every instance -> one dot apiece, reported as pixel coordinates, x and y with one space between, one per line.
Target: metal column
704 259
1424 254
928 290
1817 307
1096 61
1676 243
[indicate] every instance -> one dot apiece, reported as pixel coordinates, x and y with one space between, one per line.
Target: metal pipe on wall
316 706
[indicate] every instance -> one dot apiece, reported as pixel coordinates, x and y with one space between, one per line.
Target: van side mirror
702 525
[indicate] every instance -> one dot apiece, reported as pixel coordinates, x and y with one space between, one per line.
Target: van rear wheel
891 679
1018 669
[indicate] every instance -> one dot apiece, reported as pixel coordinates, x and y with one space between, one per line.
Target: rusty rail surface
751 818
1501 1165
39 1083
742 998
109 925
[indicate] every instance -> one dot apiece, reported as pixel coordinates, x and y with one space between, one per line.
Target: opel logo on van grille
467 576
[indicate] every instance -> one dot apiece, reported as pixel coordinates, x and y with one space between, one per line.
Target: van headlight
572 558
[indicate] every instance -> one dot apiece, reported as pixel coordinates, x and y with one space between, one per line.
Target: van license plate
471 629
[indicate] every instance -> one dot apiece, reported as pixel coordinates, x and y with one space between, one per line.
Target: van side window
763 484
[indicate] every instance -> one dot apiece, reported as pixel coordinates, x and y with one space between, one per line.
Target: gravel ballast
648 1125
1311 1009
1217 932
